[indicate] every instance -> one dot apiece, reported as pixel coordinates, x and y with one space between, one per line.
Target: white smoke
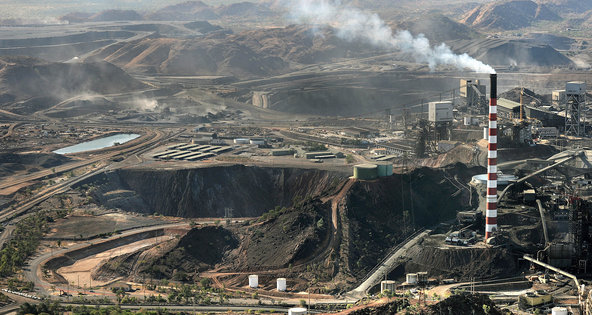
354 24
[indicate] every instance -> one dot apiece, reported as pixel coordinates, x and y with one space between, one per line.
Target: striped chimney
491 208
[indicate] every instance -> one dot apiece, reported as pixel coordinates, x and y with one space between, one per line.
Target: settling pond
98 143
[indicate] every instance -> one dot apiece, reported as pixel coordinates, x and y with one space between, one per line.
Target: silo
281 284
385 169
365 171
297 311
253 281
412 278
387 285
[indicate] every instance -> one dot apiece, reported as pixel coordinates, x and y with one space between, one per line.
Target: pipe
567 274
543 221
491 207
542 170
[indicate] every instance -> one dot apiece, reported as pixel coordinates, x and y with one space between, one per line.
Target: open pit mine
296 157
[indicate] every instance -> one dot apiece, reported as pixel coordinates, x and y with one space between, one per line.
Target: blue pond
98 143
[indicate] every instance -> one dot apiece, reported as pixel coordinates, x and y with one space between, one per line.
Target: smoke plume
354 24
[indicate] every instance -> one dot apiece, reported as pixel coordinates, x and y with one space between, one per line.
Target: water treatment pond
98 143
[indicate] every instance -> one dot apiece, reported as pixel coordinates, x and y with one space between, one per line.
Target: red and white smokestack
491 208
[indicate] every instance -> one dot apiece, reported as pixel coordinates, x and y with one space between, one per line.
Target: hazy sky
46 10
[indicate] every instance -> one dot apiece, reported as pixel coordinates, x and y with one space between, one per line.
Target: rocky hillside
511 52
30 79
437 28
560 6
508 15
258 52
298 240
206 192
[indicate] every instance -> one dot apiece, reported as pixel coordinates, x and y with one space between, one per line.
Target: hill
511 52
251 53
25 79
560 6
508 15
116 15
186 11
437 28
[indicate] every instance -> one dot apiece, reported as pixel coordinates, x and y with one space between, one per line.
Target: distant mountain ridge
509 15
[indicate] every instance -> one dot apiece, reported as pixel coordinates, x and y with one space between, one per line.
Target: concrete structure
411 278
439 112
575 96
389 285
280 152
253 281
508 109
474 93
447 145
558 97
297 311
366 171
491 207
281 284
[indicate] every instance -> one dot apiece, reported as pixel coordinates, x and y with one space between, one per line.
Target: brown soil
508 15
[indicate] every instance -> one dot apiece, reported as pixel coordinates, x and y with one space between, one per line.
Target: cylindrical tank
366 171
559 311
281 284
253 281
387 285
257 141
412 278
241 141
467 120
486 133
385 169
297 311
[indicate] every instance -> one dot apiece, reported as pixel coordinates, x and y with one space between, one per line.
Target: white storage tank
559 311
387 285
467 121
253 281
297 311
241 141
281 284
257 141
412 278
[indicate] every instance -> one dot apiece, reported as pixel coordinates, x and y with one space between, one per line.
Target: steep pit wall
206 192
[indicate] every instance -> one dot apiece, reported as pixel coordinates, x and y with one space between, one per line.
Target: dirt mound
382 213
461 263
508 15
206 192
529 97
437 28
511 52
465 304
557 42
75 17
186 11
26 78
289 236
200 249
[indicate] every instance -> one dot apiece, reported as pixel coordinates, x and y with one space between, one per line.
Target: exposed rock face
206 192
509 15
